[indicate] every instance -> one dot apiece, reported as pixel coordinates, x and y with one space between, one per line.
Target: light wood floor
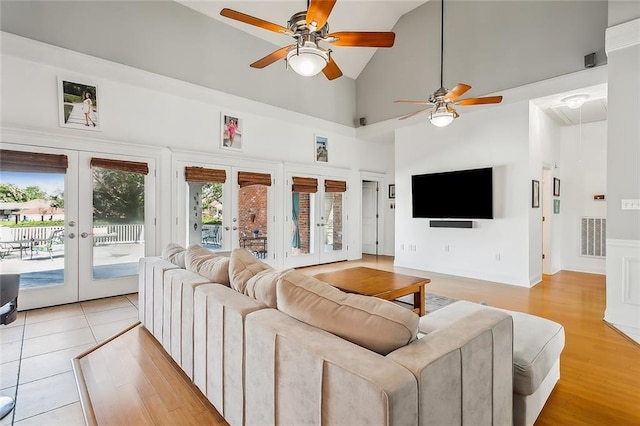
600 368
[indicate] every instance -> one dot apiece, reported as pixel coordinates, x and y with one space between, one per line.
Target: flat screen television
460 194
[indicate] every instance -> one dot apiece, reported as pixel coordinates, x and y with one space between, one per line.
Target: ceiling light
307 60
575 101
441 117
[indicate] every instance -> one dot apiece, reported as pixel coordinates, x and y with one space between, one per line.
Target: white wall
583 171
163 114
495 137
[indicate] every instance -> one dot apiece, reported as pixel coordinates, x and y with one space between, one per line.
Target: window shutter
21 161
304 184
200 174
335 186
123 166
249 178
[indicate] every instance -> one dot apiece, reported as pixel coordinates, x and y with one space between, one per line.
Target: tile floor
36 352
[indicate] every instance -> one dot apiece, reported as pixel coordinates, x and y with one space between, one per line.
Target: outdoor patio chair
5 250
55 242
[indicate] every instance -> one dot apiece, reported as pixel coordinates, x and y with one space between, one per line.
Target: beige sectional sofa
279 347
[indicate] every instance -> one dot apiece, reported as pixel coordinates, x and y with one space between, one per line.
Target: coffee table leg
418 300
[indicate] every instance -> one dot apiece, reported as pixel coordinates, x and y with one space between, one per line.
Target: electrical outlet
446 248
497 257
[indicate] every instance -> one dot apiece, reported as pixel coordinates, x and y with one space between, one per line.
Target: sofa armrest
464 370
299 374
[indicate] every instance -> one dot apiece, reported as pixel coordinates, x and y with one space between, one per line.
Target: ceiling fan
440 104
308 28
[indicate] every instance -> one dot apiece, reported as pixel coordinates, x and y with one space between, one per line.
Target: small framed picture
556 187
232 127
535 194
78 105
392 191
556 206
322 149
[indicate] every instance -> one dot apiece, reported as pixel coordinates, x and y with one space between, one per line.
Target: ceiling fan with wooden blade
309 28
440 104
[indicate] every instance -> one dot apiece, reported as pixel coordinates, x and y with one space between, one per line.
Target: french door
316 220
81 229
228 207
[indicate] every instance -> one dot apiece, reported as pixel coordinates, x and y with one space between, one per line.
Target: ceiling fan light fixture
307 60
575 101
441 117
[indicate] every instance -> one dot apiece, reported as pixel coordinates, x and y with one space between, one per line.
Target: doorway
79 228
370 217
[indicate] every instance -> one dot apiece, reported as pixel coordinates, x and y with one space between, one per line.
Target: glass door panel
253 219
118 223
38 215
332 224
206 211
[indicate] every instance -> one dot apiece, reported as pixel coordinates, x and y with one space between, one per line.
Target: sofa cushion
207 264
376 324
174 253
242 266
262 287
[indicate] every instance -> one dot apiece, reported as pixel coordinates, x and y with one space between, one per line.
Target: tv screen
462 194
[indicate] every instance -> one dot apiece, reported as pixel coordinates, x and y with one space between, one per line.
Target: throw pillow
174 253
376 324
208 264
262 287
242 266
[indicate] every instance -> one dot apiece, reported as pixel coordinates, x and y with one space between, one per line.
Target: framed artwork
535 194
392 191
556 187
322 149
232 127
78 105
556 206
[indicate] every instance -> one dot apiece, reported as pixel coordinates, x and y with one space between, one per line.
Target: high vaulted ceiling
347 15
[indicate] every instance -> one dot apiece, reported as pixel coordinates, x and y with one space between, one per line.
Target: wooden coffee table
383 284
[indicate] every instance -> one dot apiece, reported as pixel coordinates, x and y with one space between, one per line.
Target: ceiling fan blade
251 20
402 101
479 101
318 13
457 91
272 57
414 113
362 39
331 70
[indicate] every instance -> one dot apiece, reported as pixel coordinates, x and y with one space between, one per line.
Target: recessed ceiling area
347 15
593 109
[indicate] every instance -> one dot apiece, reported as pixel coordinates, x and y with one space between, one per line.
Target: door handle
235 228
71 236
85 235
226 228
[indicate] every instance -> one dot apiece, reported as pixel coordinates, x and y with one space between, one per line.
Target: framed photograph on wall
392 191
322 149
556 187
535 194
78 104
232 127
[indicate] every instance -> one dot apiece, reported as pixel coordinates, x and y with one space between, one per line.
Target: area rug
433 302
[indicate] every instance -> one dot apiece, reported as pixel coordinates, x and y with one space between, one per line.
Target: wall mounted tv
461 194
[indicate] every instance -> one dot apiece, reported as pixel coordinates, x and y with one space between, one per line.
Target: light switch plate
631 204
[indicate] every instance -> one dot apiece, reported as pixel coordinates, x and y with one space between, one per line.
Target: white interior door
316 224
233 212
116 222
370 217
62 247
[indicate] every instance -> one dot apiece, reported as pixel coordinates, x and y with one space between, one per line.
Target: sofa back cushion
376 324
243 266
207 264
262 287
175 254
